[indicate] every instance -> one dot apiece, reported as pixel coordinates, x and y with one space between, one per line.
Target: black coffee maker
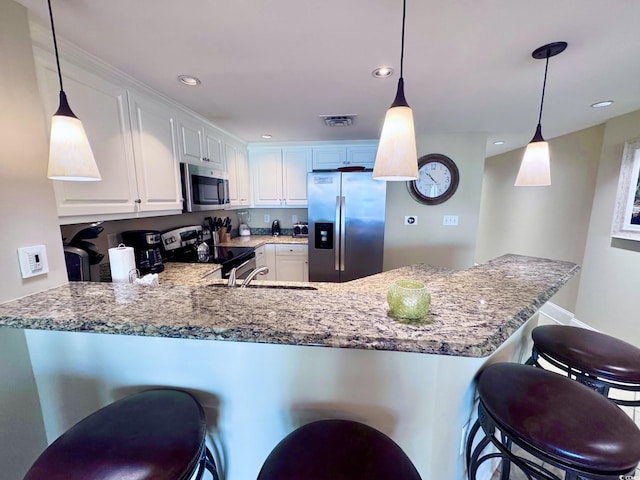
146 245
275 228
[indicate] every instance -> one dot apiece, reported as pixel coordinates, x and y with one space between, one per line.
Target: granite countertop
473 311
259 240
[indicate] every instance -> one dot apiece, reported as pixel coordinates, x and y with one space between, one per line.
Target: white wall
27 217
550 222
609 298
429 241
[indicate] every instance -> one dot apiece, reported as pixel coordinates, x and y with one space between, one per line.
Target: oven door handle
243 264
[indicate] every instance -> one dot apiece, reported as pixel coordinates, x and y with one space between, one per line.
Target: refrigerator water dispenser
324 235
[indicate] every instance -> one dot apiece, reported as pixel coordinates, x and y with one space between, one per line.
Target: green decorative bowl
408 300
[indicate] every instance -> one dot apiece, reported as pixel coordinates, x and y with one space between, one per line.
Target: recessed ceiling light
499 142
604 103
189 80
382 72
267 136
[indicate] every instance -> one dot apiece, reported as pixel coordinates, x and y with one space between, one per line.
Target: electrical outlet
294 219
450 220
267 218
410 220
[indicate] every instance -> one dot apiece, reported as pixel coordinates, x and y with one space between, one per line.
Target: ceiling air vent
338 120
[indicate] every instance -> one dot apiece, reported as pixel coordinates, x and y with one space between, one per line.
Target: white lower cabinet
292 263
266 257
286 262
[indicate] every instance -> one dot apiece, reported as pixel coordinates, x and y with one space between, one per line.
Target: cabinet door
190 140
266 167
362 156
244 181
296 163
102 107
155 153
266 256
231 156
329 158
291 269
213 151
292 263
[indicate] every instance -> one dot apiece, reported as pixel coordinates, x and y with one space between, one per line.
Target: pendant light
397 156
70 155
535 169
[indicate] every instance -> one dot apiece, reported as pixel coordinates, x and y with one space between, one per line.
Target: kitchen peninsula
92 343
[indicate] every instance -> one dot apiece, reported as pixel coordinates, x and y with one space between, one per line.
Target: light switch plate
267 218
33 261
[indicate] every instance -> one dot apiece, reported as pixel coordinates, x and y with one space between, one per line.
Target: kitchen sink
272 287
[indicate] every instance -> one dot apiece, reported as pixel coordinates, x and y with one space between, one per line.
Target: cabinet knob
138 200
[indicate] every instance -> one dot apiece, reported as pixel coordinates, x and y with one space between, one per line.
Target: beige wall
550 222
27 217
429 241
609 296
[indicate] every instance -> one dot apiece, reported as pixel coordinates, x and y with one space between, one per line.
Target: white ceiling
274 66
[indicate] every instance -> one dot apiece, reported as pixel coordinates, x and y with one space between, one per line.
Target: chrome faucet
232 277
256 271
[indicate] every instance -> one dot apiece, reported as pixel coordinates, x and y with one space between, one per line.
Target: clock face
438 179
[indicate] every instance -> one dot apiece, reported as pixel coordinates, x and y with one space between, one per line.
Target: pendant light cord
404 14
544 86
55 45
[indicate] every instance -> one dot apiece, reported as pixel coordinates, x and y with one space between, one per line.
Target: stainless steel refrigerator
346 225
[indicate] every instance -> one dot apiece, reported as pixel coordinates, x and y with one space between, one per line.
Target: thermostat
33 261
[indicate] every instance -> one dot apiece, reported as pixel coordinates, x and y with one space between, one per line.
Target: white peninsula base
255 394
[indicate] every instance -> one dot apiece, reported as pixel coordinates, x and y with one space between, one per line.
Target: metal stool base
600 385
532 470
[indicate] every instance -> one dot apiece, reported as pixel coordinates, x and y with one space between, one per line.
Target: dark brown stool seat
337 450
559 421
157 434
599 361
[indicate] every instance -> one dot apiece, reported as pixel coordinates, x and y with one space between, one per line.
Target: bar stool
597 360
337 450
557 421
156 434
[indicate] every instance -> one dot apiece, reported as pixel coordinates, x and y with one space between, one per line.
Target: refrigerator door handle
343 233
336 232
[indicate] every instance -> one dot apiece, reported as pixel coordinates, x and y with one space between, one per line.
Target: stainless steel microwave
202 188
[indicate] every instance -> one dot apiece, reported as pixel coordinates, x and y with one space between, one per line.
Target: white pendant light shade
397 157
70 155
535 169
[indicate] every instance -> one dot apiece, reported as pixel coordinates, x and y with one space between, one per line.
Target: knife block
224 237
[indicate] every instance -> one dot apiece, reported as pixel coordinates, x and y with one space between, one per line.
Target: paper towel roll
121 260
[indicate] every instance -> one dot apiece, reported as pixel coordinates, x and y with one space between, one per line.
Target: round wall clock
438 179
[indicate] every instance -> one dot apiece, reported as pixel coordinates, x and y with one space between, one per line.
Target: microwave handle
188 188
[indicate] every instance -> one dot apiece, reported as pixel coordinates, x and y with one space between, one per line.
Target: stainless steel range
193 244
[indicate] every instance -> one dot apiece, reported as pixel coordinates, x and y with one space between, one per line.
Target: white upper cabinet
280 175
213 150
102 107
296 163
200 144
332 157
238 175
190 139
155 153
